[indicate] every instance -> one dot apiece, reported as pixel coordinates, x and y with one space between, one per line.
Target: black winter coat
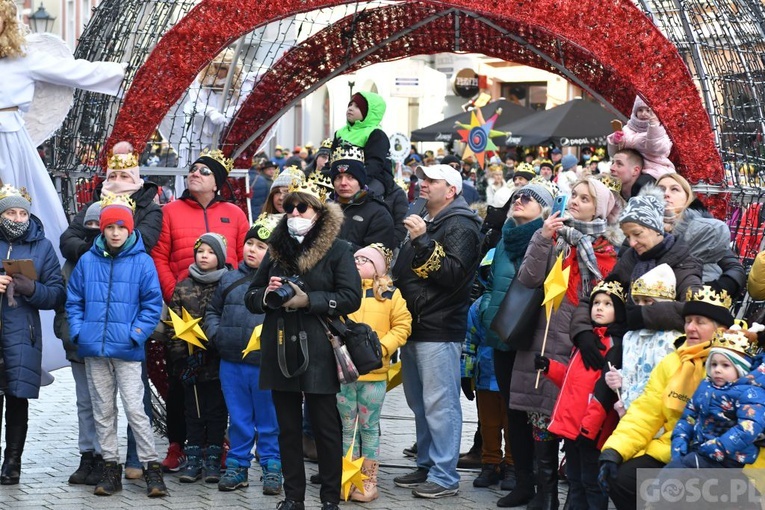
228 323
398 205
325 263
76 240
367 221
439 302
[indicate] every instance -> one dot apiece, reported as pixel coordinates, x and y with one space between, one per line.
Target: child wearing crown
727 412
233 330
571 415
642 349
384 309
113 304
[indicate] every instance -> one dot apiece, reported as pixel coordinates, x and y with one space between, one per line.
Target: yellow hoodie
390 319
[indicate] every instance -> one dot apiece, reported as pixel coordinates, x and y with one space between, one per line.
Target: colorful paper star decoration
478 134
187 329
352 475
393 376
254 343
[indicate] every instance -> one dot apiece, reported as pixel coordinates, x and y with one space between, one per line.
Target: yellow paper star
254 343
394 376
187 329
555 285
352 475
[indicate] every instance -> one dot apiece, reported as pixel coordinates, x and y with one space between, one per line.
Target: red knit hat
117 210
361 103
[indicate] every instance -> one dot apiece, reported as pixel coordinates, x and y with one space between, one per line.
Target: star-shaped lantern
187 329
478 134
352 475
254 343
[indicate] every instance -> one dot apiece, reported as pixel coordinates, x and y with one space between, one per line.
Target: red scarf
605 254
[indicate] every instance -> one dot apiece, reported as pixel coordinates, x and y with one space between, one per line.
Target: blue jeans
86 425
131 460
431 378
251 410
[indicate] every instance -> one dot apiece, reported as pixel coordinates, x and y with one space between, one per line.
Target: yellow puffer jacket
755 283
636 433
391 321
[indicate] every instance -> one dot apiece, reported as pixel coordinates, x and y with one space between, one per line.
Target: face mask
299 227
586 157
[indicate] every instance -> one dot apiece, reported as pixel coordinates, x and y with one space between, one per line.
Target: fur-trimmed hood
297 258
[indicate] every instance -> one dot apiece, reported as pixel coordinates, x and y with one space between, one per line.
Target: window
531 94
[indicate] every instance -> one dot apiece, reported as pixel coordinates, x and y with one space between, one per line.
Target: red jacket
183 221
574 412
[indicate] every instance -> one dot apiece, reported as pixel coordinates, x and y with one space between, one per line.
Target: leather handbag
362 342
517 315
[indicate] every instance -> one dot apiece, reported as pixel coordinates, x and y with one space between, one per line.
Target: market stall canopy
445 130
577 122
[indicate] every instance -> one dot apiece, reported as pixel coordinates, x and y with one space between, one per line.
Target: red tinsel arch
621 38
306 65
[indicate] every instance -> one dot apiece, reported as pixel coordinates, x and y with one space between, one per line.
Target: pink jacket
654 145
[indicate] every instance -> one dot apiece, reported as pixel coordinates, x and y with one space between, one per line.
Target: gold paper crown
524 167
611 182
293 171
122 161
736 341
657 289
308 188
707 294
386 253
326 143
547 162
402 184
321 179
347 152
265 225
121 200
217 155
612 288
10 191
549 185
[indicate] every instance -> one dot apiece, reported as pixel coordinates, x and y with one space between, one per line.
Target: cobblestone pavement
51 456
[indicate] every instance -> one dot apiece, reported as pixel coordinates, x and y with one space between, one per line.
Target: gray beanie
14 200
218 244
286 176
93 213
646 209
542 192
568 161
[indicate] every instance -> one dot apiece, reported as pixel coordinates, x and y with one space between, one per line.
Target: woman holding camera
307 274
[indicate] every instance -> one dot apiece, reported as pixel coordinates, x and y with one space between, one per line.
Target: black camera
278 297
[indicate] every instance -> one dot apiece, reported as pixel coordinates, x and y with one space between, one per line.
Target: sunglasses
203 170
301 207
524 198
360 260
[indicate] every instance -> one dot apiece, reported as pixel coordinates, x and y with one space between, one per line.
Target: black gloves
23 285
467 387
725 283
590 347
607 475
609 467
583 441
635 317
541 363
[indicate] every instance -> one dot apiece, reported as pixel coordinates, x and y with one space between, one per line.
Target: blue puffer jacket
477 357
21 333
229 325
114 303
722 422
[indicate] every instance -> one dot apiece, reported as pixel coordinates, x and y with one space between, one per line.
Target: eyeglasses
360 260
301 207
203 170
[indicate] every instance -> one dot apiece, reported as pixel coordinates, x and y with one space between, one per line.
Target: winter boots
192 471
369 468
81 474
15 436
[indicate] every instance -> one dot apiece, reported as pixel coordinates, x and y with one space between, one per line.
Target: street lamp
41 22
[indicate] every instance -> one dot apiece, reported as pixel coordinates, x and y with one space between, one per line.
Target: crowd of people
627 373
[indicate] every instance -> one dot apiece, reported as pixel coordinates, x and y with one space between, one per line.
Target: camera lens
278 297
